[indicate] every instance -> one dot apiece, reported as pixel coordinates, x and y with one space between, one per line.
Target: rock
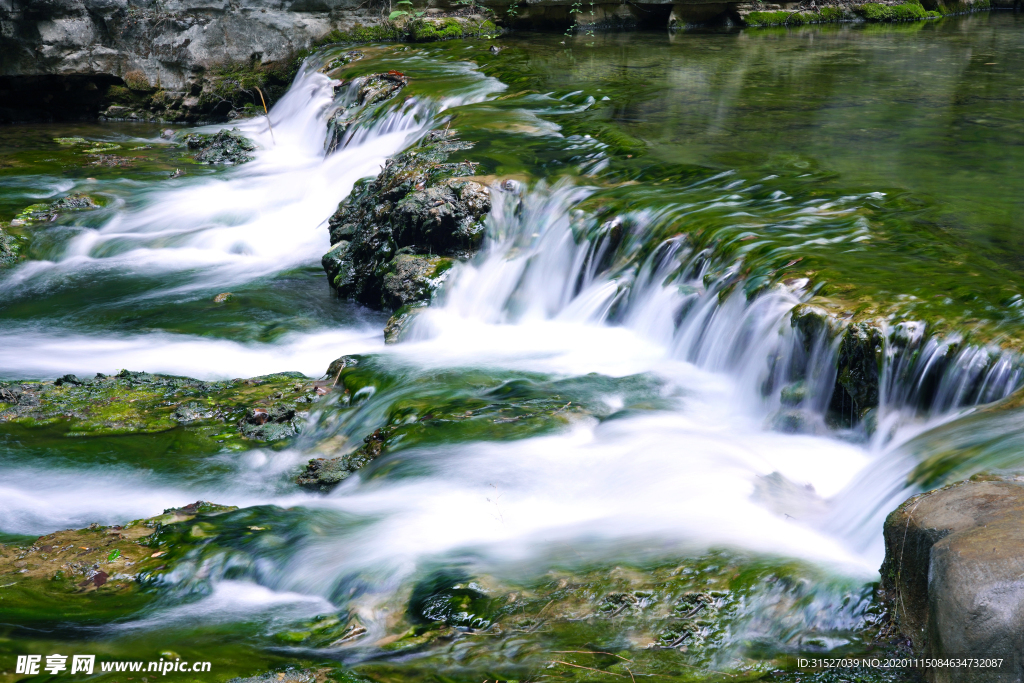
953 575
398 324
266 408
859 364
279 422
420 206
223 297
372 90
48 212
8 250
226 147
414 278
323 474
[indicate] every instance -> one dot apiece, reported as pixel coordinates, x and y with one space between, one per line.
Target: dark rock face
859 365
953 575
226 147
395 236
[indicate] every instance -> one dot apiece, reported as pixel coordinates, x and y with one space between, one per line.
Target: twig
266 112
587 652
558 661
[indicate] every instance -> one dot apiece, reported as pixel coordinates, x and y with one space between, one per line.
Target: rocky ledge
953 576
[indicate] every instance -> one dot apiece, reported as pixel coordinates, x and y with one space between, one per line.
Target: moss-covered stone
419 204
48 212
386 410
98 573
225 147
430 30
9 250
907 11
372 90
265 408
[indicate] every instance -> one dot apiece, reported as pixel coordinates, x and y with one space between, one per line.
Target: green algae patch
265 408
87 575
907 11
386 409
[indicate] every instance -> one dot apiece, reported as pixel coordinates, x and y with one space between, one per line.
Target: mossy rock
225 147
89 575
261 408
907 11
419 204
385 410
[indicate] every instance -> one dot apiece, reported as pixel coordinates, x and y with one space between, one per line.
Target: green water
881 162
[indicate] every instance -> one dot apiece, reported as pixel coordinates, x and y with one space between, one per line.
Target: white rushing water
704 472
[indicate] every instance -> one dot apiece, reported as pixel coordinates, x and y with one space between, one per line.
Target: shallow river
883 160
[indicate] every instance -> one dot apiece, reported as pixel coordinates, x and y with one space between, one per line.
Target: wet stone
387 234
226 147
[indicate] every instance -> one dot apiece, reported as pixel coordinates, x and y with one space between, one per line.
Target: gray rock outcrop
953 577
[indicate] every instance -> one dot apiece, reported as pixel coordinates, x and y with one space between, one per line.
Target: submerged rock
953 575
384 410
225 147
395 235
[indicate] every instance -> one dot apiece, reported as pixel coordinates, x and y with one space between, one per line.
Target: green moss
431 30
782 18
908 11
832 14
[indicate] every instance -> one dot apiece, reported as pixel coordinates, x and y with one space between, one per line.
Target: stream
883 160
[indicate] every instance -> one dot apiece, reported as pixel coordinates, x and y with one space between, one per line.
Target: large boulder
953 576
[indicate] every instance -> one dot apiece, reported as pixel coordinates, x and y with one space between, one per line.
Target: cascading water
712 422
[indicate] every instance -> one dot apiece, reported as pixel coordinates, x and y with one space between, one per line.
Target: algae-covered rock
384 410
8 250
398 324
48 212
226 147
265 408
414 278
716 616
420 207
97 572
